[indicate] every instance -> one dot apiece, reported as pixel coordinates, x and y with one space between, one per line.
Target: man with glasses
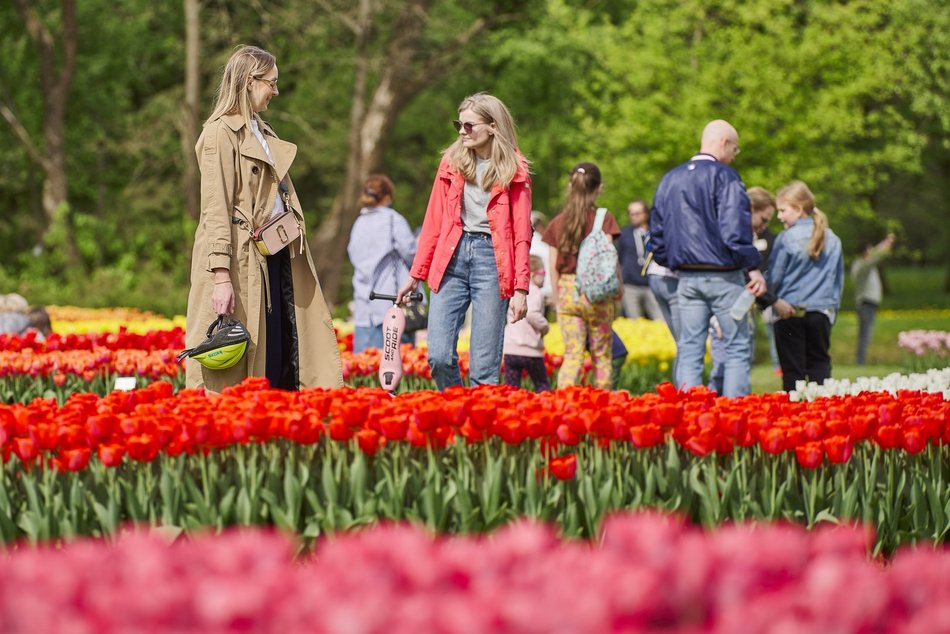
702 229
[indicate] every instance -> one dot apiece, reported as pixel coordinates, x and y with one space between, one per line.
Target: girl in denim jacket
806 269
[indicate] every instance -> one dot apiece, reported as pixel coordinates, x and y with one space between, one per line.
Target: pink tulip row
925 342
646 573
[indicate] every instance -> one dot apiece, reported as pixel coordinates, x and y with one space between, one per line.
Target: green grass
906 287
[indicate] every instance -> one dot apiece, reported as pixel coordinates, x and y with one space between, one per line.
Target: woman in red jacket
473 248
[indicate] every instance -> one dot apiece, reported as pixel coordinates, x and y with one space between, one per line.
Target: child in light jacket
806 270
524 340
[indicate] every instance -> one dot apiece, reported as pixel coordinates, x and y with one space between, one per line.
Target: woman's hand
402 295
222 298
519 306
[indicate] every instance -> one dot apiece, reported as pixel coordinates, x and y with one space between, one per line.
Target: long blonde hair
504 148
245 63
799 195
582 191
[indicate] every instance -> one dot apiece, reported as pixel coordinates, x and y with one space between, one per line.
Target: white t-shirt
278 202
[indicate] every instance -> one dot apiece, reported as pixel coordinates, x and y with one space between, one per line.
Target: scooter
394 323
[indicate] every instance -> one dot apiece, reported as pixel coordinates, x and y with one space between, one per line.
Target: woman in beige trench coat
244 183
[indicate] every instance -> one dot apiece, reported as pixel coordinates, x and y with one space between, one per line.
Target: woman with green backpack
585 273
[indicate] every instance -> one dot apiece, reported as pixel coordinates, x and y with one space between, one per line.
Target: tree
56 81
390 68
191 125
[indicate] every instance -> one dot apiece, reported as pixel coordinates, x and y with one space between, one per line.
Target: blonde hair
798 194
246 62
582 191
760 199
504 148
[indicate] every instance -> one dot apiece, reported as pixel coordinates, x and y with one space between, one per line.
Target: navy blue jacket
701 218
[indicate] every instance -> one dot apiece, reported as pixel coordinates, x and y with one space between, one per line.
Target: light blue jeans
470 279
664 290
701 295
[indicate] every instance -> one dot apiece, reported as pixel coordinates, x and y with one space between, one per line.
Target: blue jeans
701 295
367 337
372 337
470 279
664 289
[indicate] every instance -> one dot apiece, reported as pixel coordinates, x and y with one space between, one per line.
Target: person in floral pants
582 322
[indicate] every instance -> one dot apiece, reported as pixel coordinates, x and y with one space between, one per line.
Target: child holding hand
524 340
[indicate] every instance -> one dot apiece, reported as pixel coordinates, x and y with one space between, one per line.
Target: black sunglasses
468 127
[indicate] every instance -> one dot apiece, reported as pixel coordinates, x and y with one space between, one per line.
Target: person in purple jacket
701 228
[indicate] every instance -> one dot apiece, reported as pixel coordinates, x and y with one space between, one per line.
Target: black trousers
281 367
534 366
802 344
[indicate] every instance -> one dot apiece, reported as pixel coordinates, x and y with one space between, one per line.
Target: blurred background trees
851 97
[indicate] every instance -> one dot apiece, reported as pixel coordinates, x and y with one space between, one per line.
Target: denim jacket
801 281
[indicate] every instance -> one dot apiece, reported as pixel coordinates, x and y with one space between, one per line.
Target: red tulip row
173 339
645 573
142 423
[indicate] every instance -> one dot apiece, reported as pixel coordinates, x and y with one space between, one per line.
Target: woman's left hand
519 306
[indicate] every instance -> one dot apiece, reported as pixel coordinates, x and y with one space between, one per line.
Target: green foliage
850 97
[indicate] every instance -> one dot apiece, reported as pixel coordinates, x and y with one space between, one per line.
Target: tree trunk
51 158
190 125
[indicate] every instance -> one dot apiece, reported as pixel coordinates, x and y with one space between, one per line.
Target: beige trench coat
238 188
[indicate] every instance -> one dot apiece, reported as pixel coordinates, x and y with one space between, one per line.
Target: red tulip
25 449
369 441
667 391
839 449
888 436
914 440
565 436
702 444
111 455
644 436
74 459
564 467
810 454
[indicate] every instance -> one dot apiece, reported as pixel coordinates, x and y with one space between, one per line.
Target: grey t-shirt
475 201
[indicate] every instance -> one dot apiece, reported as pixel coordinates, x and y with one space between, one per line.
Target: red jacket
509 217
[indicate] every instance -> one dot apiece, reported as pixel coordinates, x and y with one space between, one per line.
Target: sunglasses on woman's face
468 127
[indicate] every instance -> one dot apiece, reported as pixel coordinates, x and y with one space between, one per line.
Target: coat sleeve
431 225
520 197
735 224
218 165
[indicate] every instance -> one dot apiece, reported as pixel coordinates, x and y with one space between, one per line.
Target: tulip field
484 509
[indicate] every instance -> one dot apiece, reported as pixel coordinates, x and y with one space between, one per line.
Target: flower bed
645 573
932 381
926 348
464 460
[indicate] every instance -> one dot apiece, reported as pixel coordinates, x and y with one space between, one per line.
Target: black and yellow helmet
225 346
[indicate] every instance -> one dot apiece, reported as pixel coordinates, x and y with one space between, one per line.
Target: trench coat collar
283 152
